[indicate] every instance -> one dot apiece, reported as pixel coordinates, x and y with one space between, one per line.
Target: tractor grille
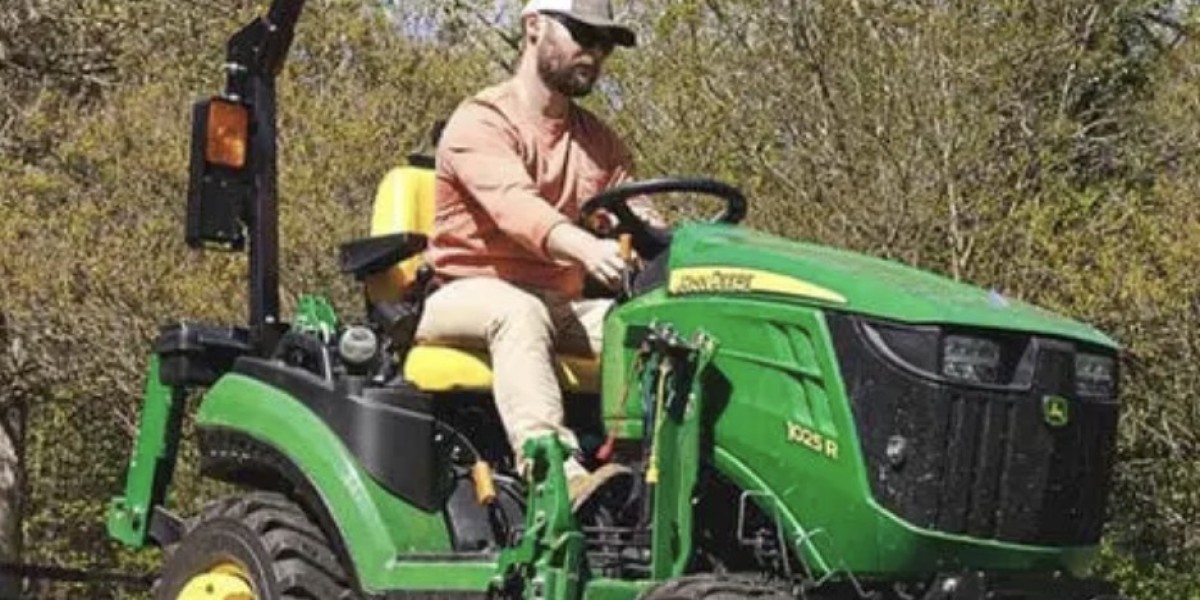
981 461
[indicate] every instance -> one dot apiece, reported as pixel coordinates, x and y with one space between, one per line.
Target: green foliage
1047 149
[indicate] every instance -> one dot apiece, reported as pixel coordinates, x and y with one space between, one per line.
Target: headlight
914 347
970 359
1095 376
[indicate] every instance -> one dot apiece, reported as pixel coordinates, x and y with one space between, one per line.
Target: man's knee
480 309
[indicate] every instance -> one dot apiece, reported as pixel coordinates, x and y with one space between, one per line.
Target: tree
13 408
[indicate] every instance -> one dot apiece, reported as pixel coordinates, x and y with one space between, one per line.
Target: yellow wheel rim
223 581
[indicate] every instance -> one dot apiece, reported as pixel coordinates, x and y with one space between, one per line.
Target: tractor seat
435 368
404 204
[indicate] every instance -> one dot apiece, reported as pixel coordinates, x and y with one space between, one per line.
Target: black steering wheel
649 241
615 200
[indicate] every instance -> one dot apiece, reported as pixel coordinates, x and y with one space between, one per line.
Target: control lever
626 252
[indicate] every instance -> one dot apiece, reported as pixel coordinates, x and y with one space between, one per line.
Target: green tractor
804 421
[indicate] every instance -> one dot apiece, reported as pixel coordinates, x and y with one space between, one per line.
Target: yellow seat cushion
444 369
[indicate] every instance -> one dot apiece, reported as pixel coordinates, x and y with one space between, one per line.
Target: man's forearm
568 242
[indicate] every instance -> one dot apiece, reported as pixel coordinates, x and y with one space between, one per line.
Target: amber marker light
228 133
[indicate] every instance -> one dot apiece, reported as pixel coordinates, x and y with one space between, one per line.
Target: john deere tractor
803 421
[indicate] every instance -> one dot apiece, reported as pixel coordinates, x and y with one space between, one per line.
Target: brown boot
610 483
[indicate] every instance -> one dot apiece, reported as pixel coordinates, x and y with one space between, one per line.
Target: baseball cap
597 13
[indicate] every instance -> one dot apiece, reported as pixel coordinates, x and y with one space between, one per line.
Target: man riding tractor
514 164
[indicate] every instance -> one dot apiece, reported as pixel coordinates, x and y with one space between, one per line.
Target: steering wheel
651 241
616 200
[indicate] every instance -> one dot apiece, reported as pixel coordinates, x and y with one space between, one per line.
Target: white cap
597 13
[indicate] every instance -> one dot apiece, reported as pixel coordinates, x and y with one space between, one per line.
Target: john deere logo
1056 411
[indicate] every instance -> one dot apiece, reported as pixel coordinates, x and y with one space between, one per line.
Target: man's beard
572 82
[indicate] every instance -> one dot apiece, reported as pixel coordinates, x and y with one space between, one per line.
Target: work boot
610 484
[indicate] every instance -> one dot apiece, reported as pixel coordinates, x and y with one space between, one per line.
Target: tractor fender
257 434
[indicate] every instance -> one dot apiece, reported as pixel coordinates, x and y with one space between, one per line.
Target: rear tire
714 587
263 539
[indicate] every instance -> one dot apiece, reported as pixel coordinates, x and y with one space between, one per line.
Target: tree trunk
12 467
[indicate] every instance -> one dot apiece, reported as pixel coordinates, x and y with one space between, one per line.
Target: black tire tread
304 564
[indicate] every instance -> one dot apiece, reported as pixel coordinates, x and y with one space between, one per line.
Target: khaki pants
522 330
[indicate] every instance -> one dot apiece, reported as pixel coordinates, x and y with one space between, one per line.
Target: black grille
980 461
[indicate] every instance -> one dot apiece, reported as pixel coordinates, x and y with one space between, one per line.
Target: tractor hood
718 259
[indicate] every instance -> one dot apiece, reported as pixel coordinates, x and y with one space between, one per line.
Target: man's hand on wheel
601 258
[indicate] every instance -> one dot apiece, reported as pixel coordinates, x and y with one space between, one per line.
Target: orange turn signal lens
228 133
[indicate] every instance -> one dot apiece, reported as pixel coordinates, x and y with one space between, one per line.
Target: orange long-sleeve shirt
506 177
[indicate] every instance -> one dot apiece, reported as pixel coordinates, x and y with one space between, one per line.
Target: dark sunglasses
588 37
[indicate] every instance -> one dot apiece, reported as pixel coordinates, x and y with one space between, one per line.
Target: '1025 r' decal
813 440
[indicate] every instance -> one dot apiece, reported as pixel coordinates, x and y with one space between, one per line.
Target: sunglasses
588 37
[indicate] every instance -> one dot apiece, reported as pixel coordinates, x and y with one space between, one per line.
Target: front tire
258 546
